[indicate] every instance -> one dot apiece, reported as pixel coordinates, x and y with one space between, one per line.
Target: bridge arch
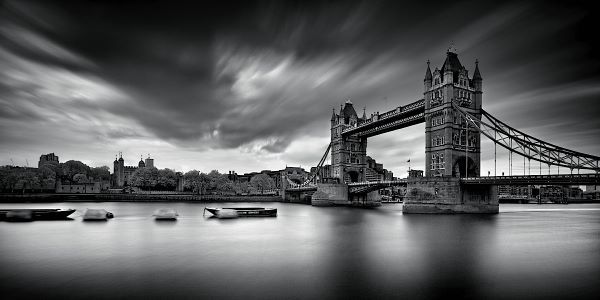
353 176
462 168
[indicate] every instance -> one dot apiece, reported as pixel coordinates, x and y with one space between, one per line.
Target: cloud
251 86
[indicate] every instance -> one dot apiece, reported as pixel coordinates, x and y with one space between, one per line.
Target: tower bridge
455 121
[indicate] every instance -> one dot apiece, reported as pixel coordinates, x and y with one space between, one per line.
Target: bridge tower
446 132
452 147
348 154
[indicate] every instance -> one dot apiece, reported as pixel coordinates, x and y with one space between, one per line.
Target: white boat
165 214
96 215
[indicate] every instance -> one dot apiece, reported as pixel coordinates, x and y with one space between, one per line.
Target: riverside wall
41 198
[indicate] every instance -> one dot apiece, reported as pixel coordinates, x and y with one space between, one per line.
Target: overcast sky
251 86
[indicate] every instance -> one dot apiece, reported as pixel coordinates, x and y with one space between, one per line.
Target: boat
35 214
97 215
165 214
242 211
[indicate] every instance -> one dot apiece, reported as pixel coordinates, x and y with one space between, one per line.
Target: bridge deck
399 117
567 179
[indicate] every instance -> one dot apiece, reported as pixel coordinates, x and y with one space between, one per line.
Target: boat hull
36 214
246 211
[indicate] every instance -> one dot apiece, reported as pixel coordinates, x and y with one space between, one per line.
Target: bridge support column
329 194
370 199
445 195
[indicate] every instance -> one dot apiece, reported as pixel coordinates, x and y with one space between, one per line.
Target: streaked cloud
251 86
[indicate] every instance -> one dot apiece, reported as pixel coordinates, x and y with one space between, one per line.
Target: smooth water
525 252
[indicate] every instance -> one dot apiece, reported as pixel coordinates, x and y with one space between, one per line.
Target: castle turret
141 164
333 116
477 80
428 78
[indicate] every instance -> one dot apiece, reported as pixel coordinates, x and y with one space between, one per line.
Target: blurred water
525 252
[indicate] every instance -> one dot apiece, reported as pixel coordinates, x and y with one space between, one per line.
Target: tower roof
476 74
451 63
333 115
428 76
349 110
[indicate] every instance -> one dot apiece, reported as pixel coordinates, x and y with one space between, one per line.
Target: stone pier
330 194
445 195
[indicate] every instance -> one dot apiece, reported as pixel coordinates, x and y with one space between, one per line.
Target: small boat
97 215
165 214
35 214
230 212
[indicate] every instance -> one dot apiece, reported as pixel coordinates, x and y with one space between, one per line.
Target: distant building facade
122 173
48 158
82 188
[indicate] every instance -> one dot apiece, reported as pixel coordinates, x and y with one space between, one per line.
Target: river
524 252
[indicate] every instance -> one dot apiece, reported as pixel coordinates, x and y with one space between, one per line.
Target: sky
250 86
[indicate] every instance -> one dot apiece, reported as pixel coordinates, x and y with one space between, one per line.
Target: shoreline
47 198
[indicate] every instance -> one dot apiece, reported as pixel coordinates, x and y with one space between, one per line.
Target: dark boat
35 214
246 211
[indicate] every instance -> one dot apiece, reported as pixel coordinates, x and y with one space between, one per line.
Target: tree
100 173
73 167
145 178
219 182
262 182
167 180
80 178
241 187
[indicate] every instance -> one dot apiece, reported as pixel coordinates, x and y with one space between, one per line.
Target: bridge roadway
399 117
566 179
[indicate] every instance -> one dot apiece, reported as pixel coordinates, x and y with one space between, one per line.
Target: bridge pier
333 194
446 195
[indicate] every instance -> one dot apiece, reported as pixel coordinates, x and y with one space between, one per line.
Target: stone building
451 147
81 188
348 154
376 172
48 158
122 173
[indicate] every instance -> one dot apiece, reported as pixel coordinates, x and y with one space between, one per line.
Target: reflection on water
526 251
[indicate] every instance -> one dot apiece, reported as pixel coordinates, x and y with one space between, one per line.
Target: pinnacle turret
428 76
476 74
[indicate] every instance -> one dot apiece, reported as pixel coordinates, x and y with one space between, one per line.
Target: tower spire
428 76
476 74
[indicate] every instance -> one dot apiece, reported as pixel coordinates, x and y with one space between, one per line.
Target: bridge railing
536 179
377 183
419 104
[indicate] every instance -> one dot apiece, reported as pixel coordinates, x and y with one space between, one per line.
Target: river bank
45 198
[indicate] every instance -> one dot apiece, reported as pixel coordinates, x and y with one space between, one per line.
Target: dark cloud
260 75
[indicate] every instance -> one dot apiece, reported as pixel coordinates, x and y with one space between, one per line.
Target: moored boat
244 211
96 215
165 214
35 214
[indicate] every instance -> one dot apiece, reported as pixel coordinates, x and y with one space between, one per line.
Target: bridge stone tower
452 149
348 154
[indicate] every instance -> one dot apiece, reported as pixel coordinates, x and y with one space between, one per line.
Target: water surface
525 252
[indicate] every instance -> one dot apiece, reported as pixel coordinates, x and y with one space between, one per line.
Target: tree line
217 183
45 178
15 179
